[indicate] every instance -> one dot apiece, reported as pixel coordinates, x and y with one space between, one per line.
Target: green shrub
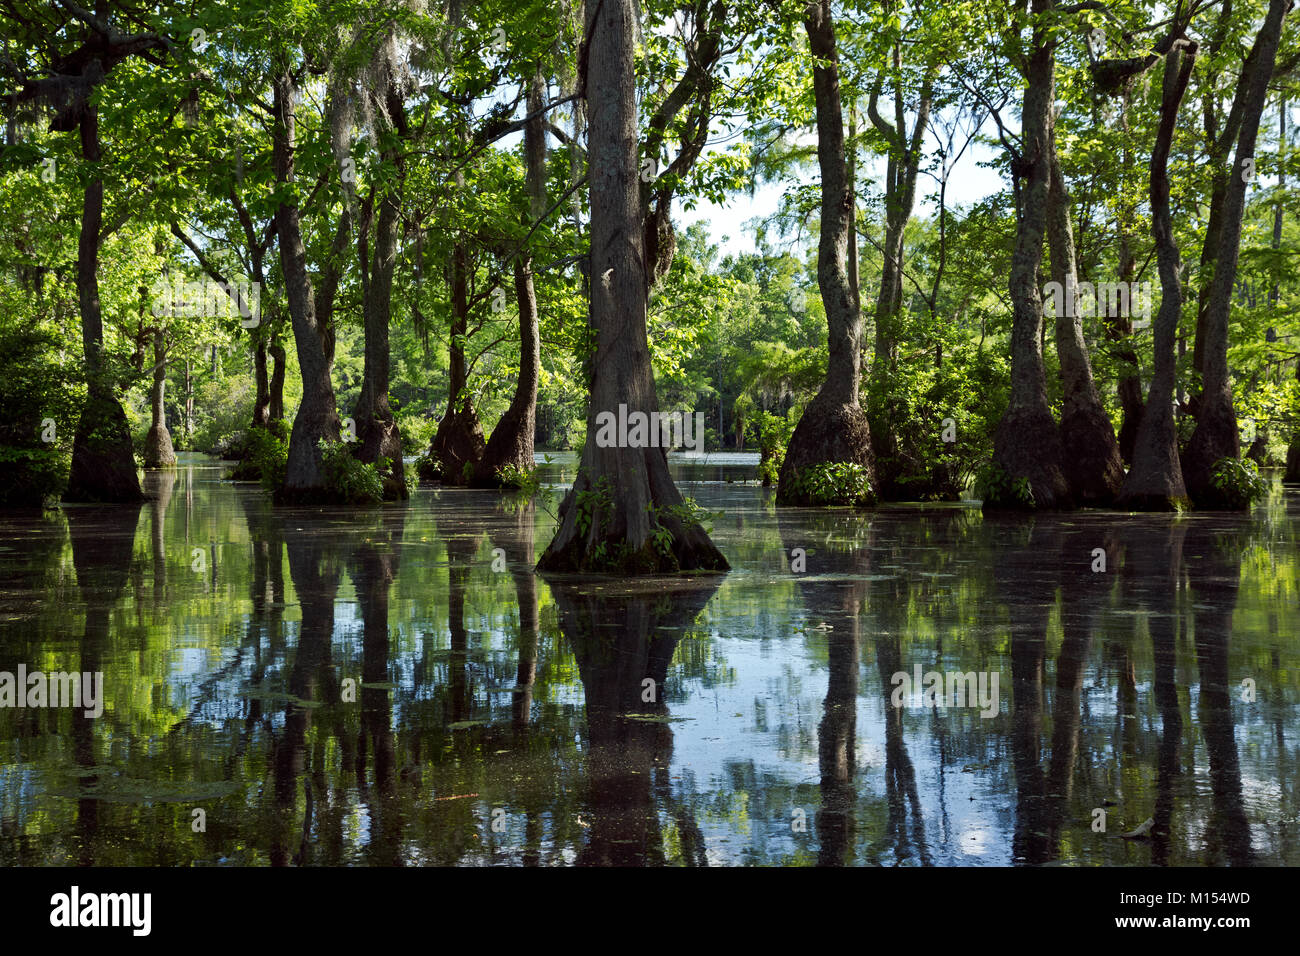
425 468
32 475
416 430
595 502
522 479
1238 482
266 457
350 480
772 433
41 394
689 512
998 489
223 407
833 483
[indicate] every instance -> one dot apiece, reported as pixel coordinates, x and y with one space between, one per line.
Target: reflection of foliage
1238 482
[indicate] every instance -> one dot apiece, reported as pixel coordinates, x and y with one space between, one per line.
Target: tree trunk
1090 452
1027 444
377 431
1278 207
158 452
512 440
621 493
261 334
458 444
189 403
1292 476
278 360
262 401
317 417
834 427
892 462
1219 148
1215 436
1120 327
1155 482
458 441
103 460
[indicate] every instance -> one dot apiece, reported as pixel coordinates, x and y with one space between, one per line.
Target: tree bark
1155 482
158 452
103 459
377 430
262 384
617 487
900 197
189 403
317 416
1120 327
1027 443
278 362
1091 458
1292 475
1215 436
833 428
1220 145
458 444
261 334
458 441
512 440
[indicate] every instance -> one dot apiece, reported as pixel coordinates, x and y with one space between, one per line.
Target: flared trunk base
457 444
103 459
1028 445
828 432
158 451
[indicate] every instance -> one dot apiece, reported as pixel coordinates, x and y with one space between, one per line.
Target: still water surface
394 686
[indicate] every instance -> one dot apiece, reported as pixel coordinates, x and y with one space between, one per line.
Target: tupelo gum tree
834 427
317 416
623 514
1027 444
103 463
1215 436
512 439
1155 482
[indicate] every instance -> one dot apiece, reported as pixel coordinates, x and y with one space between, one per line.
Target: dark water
384 686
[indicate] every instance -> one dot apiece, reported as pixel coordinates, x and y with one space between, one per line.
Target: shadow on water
395 686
